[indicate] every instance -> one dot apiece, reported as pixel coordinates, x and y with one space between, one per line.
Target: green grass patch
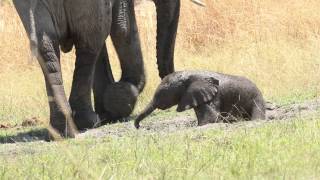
281 149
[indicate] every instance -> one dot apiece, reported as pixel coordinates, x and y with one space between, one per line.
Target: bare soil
188 121
167 124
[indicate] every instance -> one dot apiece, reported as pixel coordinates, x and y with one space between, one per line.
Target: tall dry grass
273 42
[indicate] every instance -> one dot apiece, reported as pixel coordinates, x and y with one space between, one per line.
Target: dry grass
276 47
273 42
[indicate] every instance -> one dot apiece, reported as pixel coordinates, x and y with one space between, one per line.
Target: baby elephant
213 96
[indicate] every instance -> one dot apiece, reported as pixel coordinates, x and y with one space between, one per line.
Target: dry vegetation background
276 43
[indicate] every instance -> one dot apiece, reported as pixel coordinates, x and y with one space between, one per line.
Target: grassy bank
275 150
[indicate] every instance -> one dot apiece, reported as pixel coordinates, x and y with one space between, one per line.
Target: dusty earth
170 123
188 120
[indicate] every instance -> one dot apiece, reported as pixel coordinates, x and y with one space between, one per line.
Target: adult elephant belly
89 22
57 12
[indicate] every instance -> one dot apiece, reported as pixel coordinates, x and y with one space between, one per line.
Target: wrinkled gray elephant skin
120 99
213 96
52 25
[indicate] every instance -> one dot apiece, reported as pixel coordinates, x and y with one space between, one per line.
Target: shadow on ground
26 136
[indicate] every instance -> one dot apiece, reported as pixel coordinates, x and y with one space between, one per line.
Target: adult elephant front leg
168 12
90 23
80 97
125 37
120 97
44 43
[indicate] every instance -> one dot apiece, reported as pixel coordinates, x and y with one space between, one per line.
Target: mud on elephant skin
52 25
213 96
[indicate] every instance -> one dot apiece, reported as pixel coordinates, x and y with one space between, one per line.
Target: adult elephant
52 25
167 22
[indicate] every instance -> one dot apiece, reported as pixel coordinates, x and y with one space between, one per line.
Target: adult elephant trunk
168 12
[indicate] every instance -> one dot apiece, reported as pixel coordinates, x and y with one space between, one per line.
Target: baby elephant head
120 99
199 91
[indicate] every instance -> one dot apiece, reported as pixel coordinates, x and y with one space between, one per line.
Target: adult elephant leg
125 37
167 23
60 111
102 77
44 43
121 97
80 97
89 24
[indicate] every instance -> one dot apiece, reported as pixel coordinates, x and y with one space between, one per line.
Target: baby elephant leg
258 111
206 114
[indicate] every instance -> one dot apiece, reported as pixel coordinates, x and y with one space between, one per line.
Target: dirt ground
188 121
180 121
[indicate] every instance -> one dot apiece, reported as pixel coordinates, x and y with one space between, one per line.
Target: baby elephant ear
200 91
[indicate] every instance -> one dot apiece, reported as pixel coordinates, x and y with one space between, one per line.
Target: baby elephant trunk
148 110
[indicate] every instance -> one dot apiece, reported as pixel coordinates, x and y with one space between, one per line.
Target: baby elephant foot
206 114
86 120
203 122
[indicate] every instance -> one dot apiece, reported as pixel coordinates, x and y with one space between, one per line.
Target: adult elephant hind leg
60 111
102 77
44 42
